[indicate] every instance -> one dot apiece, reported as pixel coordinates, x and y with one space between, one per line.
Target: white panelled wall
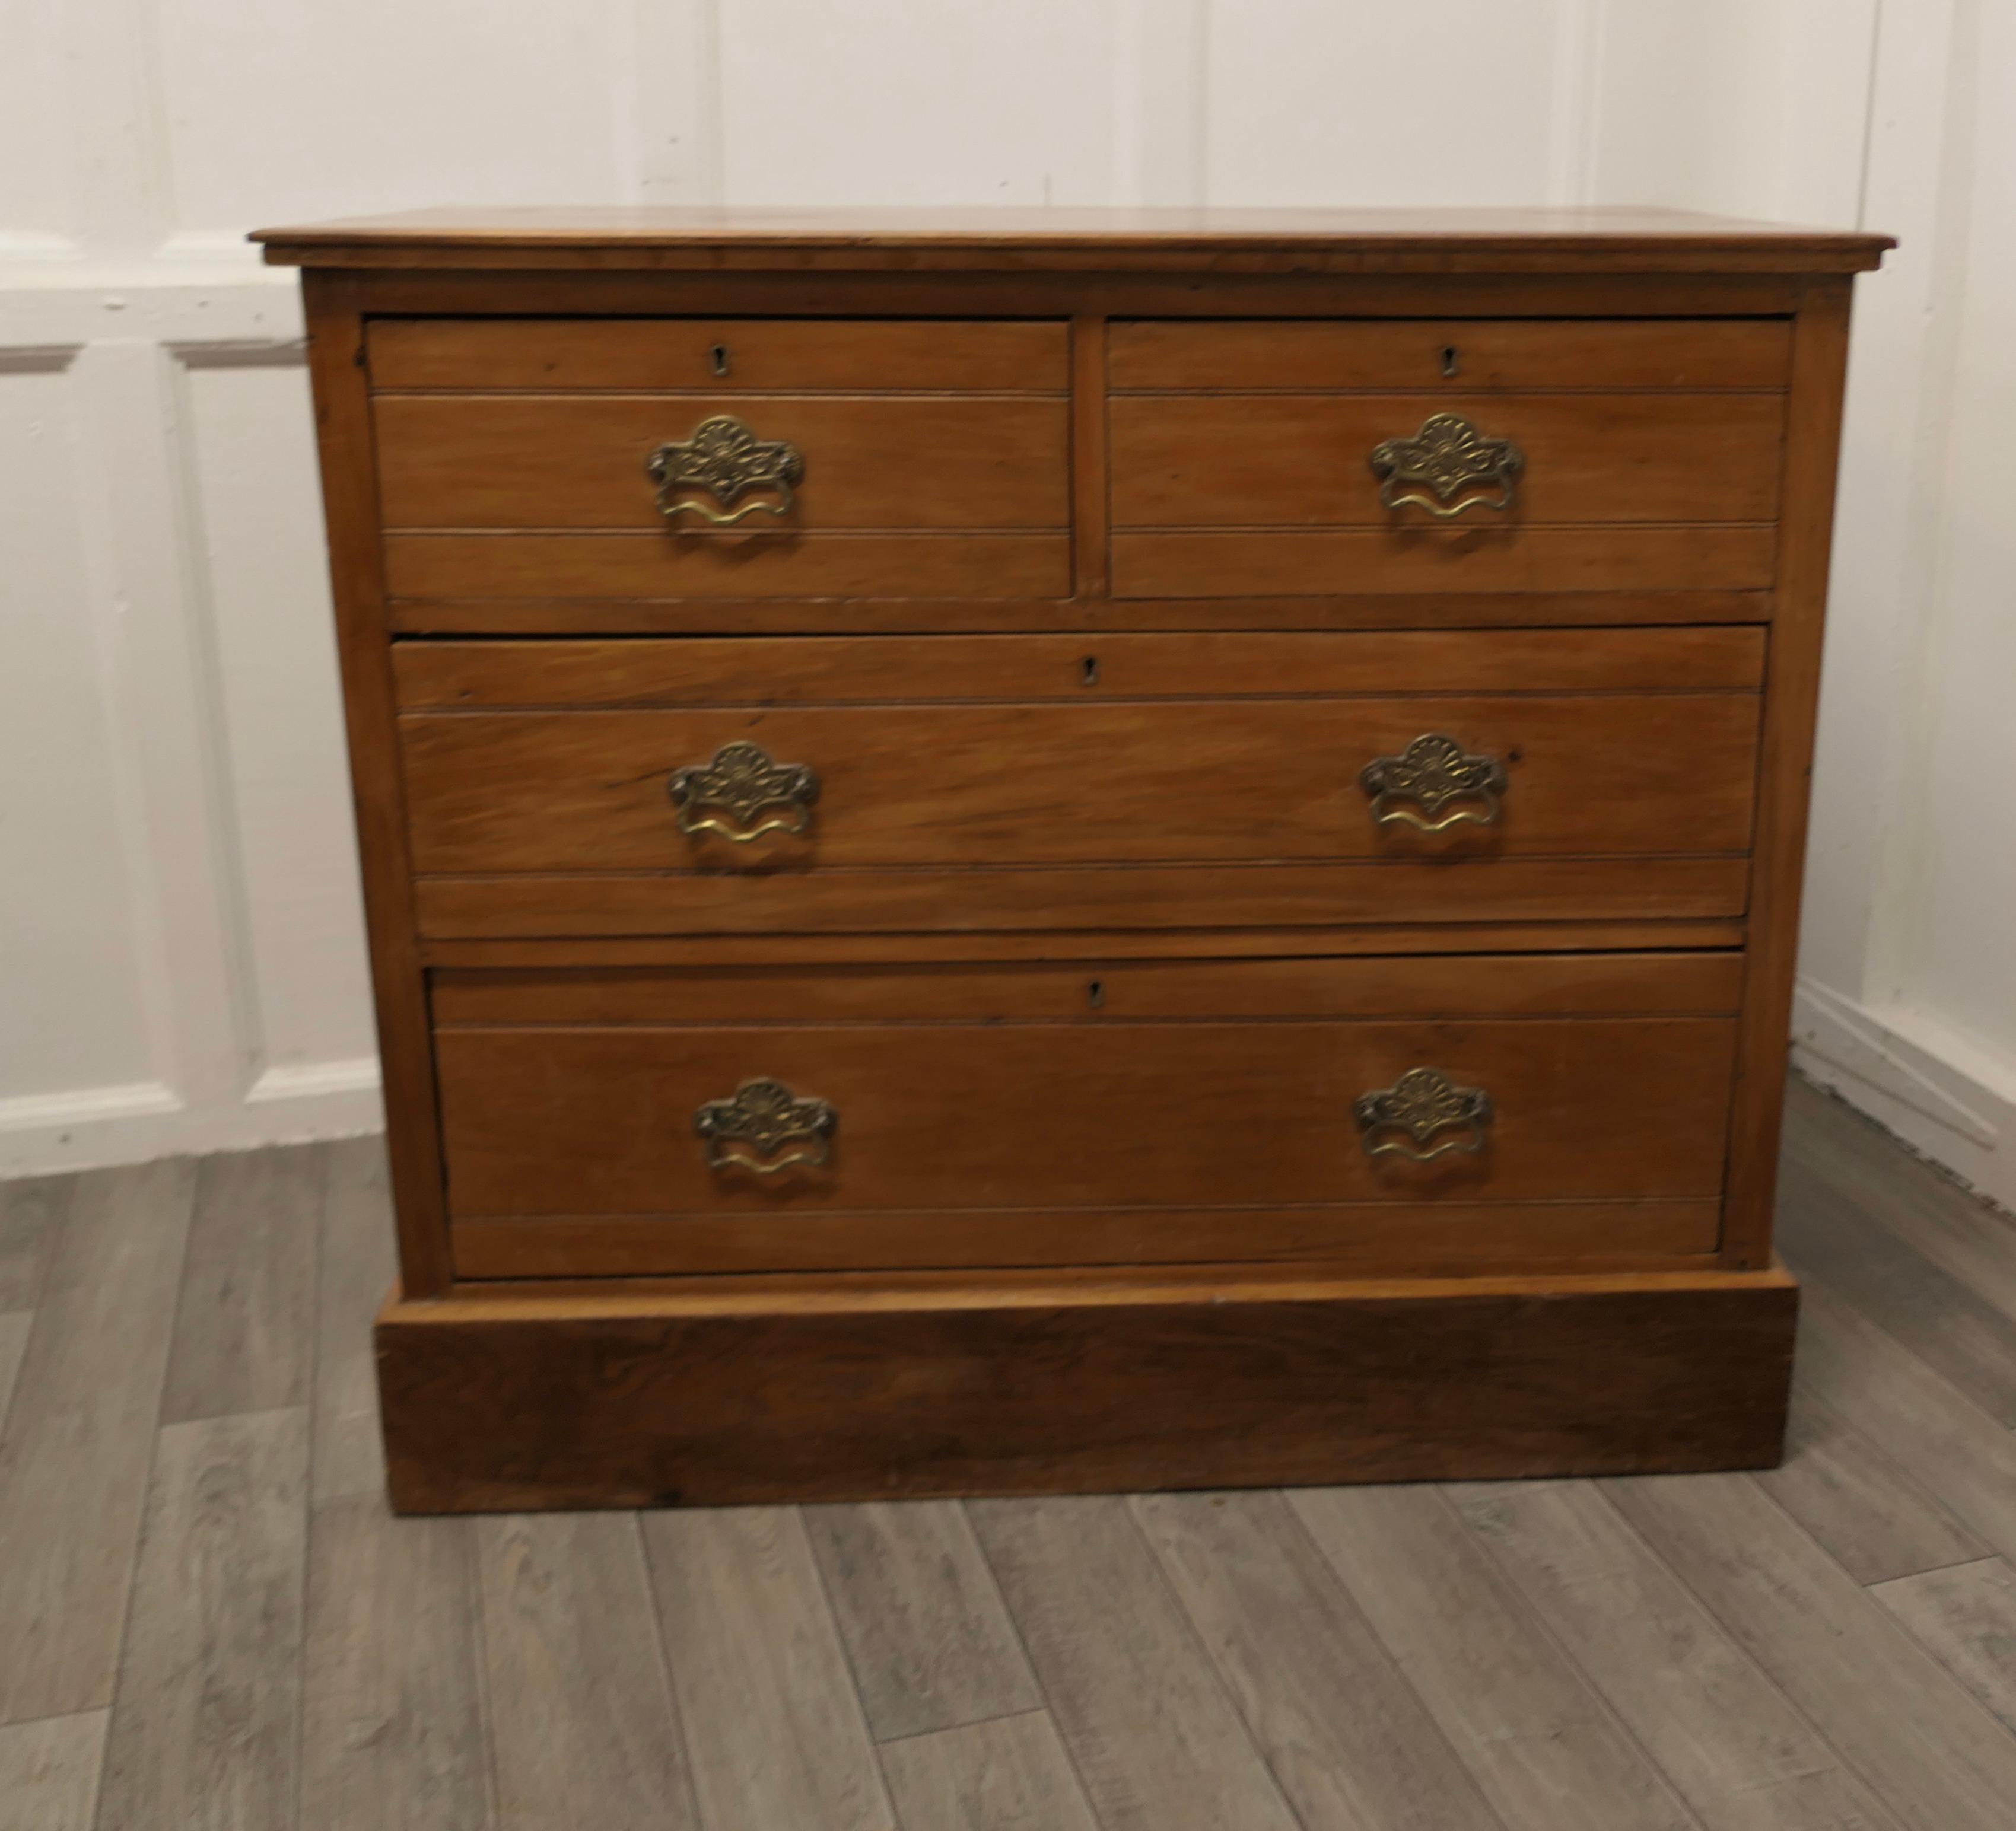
180 956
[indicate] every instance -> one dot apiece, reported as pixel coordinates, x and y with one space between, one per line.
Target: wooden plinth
846 1389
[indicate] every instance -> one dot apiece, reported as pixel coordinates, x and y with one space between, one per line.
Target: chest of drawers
1033 853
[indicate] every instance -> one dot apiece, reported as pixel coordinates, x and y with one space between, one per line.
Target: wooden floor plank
13 1345
1148 1725
1965 1619
1939 1760
1726 1737
778 1737
1349 1742
1547 1752
929 1641
245 1322
1009 1773
1869 1514
357 1266
1830 1231
581 1720
48 1772
392 1721
1937 1436
32 1211
1949 1225
205 1723
80 1435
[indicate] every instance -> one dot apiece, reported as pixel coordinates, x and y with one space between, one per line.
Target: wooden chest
1053 852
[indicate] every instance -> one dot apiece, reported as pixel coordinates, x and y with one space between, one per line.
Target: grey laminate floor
207 1619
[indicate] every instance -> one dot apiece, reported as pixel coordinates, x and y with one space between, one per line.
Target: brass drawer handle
1448 455
763 1117
725 457
741 779
1402 1120
1433 773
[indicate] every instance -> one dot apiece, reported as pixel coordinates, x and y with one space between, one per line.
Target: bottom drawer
1422 1114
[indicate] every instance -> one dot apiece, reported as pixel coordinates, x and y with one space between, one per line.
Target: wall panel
72 1001
278 749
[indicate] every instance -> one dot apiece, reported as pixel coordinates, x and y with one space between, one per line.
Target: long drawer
1453 1111
1339 456
759 459
797 786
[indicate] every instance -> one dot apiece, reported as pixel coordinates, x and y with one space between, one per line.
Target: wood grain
1547 1752
1089 1114
393 1727
1153 1737
13 1345
1831 1234
1740 1756
1443 1238
350 509
762 355
1507 557
1812 444
1288 460
1876 1522
774 1725
80 1436
358 1268
245 1322
1010 1774
1141 782
1103 239
32 1211
1344 610
1470 985
1960 1454
765 564
1350 1743
48 1772
1914 1734
564 461
883 671
205 1731
1578 354
582 1723
1086 948
1965 1619
887 1391
1397 892
931 1646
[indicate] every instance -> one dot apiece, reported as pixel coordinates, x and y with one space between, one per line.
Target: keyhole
718 358
1448 359
1095 993
1088 670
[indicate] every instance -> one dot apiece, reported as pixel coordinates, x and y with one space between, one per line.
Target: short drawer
789 786
1259 460
1420 1113
622 465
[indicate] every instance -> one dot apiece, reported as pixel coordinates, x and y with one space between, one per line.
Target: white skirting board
88 1128
1945 1094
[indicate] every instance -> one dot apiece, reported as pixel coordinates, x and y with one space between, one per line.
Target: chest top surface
1452 240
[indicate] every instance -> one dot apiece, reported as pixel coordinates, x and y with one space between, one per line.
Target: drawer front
1550 795
649 476
1412 1112
1338 458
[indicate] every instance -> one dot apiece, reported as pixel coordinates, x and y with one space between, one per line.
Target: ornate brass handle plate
725 458
1407 1120
1433 783
1448 458
765 1128
741 780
